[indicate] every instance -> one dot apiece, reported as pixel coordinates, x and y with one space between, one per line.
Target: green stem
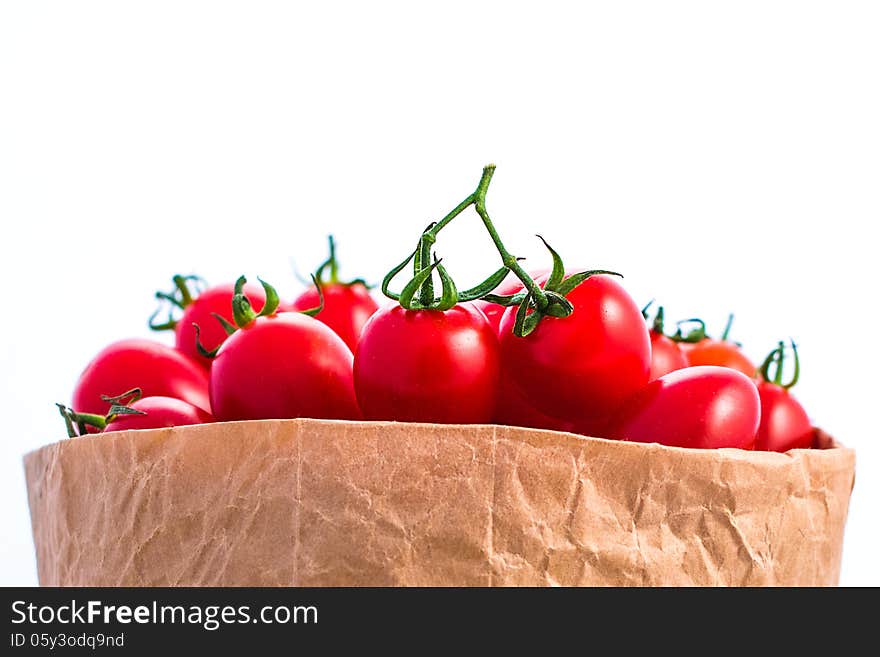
334 266
186 297
727 327
776 358
780 359
694 335
426 292
457 210
422 256
507 259
797 367
242 312
77 423
658 321
422 259
91 419
429 237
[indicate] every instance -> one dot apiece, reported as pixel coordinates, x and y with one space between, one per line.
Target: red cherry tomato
427 366
285 365
784 422
581 367
218 300
512 409
159 412
347 307
153 367
666 355
703 406
721 353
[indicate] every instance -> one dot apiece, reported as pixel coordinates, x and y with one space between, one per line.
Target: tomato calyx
178 299
78 423
694 335
699 334
243 312
547 301
331 266
775 359
657 325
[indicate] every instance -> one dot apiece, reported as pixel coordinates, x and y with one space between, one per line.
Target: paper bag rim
824 445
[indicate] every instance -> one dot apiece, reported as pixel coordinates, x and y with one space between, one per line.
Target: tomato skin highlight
160 412
427 366
158 370
666 356
703 406
582 367
217 299
722 353
286 365
347 307
784 422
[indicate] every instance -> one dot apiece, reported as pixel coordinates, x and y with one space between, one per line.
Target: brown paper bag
309 502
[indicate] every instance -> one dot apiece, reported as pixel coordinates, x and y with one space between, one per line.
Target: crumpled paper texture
332 503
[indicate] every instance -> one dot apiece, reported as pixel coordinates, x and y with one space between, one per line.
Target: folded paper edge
830 448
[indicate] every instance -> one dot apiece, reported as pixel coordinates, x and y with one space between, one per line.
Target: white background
723 156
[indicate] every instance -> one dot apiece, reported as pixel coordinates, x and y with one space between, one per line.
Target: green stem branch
334 266
457 210
426 292
180 282
507 259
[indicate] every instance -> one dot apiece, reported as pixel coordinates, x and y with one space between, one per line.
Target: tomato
347 307
722 353
702 350
581 367
157 369
666 355
283 365
703 406
427 366
217 299
513 409
158 412
784 422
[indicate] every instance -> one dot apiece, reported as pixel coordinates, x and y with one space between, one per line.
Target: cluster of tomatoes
556 349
